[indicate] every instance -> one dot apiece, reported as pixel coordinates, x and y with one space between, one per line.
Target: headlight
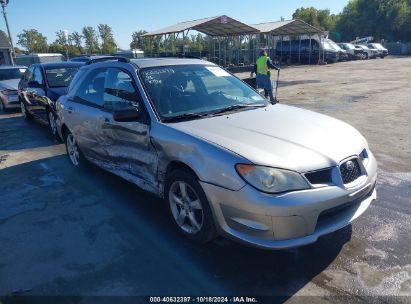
271 180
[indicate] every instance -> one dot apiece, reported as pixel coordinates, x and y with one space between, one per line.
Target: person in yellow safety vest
261 69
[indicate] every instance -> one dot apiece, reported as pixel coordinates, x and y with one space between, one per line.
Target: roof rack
362 40
108 58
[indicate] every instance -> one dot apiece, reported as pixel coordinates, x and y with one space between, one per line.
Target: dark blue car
41 86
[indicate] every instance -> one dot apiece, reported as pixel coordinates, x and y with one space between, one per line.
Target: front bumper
292 219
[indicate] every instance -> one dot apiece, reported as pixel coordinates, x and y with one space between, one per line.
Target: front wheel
73 151
189 207
52 123
26 114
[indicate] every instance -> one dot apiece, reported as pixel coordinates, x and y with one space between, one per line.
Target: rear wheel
189 207
52 123
73 152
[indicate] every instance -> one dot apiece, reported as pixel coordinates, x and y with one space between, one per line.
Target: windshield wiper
238 107
182 117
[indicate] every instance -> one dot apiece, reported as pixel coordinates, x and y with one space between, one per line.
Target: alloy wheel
186 207
52 123
72 150
23 110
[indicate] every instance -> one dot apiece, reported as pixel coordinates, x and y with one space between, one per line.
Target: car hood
280 136
55 93
10 84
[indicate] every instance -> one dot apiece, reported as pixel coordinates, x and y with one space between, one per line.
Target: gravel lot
64 232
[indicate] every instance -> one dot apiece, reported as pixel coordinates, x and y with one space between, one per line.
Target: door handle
70 110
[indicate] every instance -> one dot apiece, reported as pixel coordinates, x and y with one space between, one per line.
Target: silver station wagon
225 160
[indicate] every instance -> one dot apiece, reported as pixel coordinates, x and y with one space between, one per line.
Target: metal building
229 42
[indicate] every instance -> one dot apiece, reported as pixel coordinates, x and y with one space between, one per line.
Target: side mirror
35 84
127 114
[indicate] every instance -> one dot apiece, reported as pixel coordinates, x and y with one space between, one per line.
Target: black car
306 51
40 87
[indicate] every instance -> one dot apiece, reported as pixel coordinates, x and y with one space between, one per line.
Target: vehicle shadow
16 133
144 250
232 268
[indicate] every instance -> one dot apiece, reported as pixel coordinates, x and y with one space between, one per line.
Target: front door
123 148
36 92
127 144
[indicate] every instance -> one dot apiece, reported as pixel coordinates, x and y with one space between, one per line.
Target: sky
127 16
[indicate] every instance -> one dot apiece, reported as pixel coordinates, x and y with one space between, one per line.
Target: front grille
350 171
319 177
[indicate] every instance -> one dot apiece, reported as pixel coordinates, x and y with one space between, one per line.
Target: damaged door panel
125 138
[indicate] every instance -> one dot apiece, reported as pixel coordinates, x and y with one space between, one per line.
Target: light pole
3 6
66 38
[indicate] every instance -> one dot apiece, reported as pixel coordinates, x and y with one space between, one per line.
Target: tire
2 107
366 56
27 116
190 213
52 124
74 154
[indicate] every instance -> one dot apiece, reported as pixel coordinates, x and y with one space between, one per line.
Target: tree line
388 20
89 41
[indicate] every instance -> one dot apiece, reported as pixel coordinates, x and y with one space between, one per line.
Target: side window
91 89
38 76
73 83
119 90
28 76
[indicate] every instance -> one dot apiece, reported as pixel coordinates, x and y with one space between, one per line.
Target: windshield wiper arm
187 116
239 106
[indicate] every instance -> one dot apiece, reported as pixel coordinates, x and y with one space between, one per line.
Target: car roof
61 64
3 67
156 62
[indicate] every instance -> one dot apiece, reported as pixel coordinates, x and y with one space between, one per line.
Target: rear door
84 114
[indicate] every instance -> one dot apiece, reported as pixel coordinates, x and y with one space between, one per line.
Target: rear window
60 77
6 74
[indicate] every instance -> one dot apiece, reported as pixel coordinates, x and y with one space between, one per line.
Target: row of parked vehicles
311 50
225 160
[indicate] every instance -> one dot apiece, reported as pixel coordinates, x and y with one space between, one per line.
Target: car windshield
328 46
333 45
192 91
60 77
15 73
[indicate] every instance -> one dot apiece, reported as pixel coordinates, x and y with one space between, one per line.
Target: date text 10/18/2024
203 300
